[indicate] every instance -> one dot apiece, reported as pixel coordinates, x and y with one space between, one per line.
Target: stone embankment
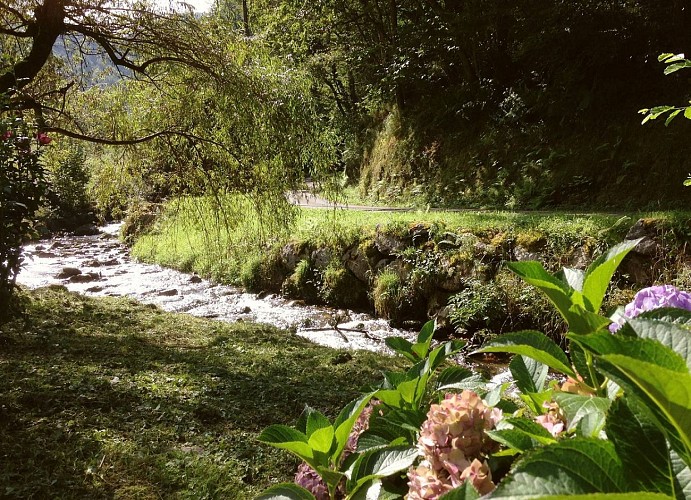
414 273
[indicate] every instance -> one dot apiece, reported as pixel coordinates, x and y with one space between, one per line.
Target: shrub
23 188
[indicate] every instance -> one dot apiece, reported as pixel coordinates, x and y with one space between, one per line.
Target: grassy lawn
107 398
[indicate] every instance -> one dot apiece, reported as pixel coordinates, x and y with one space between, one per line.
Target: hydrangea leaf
588 413
634 495
674 336
644 349
463 492
530 375
402 347
514 438
381 463
682 476
344 423
531 428
424 338
600 272
641 446
287 438
457 377
557 291
322 440
533 344
570 467
286 491
665 391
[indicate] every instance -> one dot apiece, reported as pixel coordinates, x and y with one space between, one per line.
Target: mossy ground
108 398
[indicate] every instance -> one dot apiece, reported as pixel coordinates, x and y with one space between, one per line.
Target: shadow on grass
109 398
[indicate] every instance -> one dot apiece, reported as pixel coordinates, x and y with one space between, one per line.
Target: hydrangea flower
457 423
360 426
651 298
424 483
554 420
308 478
451 441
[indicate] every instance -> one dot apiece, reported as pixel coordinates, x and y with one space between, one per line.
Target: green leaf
568 467
666 391
315 421
402 347
687 113
600 272
514 438
644 349
674 336
530 375
381 463
665 56
464 492
322 439
574 278
287 438
533 344
345 421
286 491
588 411
634 495
424 338
642 448
558 292
676 67
530 427
671 117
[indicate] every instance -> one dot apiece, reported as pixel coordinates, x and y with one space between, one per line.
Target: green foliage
69 177
586 438
481 305
23 188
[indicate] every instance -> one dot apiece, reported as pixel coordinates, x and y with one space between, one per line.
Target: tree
138 40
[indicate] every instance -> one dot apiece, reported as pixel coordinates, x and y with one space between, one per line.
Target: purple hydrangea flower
308 478
651 298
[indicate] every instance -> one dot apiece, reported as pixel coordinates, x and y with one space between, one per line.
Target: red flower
6 135
43 138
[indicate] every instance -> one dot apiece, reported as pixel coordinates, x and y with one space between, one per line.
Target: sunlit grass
107 398
222 242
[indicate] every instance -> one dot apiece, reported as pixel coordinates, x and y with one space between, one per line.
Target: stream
100 265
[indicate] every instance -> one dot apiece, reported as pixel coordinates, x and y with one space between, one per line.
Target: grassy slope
109 398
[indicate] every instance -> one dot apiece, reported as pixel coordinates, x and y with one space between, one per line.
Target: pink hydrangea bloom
451 441
425 483
480 477
7 135
554 420
457 423
360 426
308 478
651 298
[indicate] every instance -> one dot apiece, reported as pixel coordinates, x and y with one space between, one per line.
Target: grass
195 235
108 398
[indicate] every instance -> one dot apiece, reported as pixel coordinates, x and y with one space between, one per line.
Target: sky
199 5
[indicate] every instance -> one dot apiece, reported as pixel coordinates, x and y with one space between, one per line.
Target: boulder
68 272
86 230
168 293
85 278
390 244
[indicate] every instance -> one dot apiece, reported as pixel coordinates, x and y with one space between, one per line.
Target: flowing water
101 266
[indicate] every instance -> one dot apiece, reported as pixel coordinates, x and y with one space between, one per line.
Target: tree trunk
246 18
48 24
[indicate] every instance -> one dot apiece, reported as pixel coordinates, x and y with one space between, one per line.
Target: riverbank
409 266
110 398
